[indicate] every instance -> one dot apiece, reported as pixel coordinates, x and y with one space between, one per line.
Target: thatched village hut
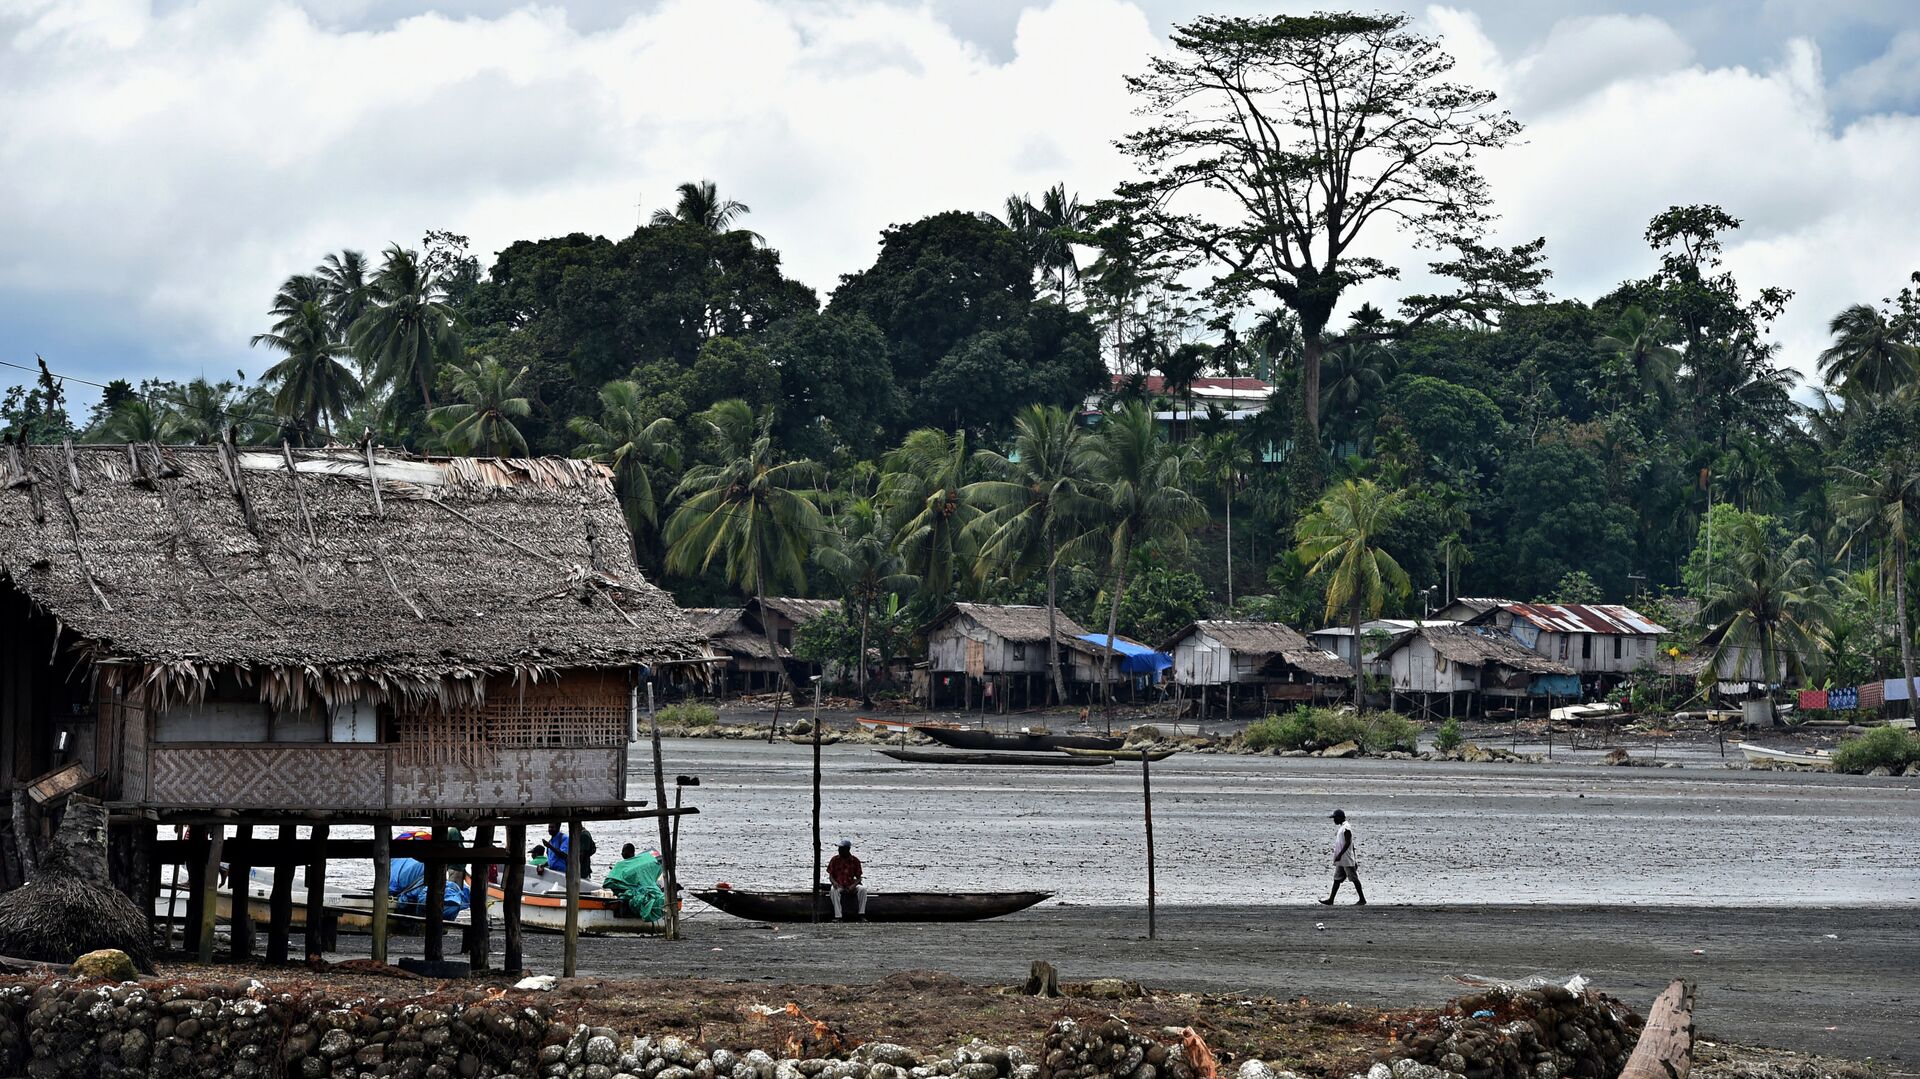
756 641
224 637
1271 659
1471 668
995 656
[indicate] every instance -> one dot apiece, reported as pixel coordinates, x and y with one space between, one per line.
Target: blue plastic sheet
1131 658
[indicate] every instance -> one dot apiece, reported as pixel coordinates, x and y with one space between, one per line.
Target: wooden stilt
480 936
1146 801
1229 700
240 885
317 894
190 914
209 893
280 903
382 885
434 932
514 885
575 840
146 871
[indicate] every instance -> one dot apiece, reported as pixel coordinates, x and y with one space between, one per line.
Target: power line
149 395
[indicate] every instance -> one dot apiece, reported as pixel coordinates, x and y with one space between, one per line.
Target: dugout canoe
936 756
1122 754
881 906
1818 758
1016 741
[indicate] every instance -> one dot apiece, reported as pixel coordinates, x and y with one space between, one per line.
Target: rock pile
65 1029
1549 1032
1108 1050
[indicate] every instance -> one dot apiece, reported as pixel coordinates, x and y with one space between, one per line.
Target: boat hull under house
225 637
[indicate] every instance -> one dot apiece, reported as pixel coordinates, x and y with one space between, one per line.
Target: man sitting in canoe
635 881
845 872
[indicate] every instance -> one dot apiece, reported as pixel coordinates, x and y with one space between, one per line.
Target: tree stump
1665 1048
1042 980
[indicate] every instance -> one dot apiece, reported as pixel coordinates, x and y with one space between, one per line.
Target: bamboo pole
382 886
667 853
1146 800
575 838
514 886
814 889
210 893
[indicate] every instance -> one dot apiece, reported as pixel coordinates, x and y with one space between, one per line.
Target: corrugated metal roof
1586 618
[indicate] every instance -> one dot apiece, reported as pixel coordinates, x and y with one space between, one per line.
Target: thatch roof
1267 639
178 561
1015 622
713 621
1475 649
797 611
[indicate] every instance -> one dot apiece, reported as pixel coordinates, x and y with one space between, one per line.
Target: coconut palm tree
1062 221
345 289
1341 538
633 441
1039 508
202 411
1142 489
294 293
407 329
482 420
1354 375
1639 342
860 557
1179 368
924 492
749 510
1771 603
1867 356
137 419
1884 505
1225 461
701 206
311 383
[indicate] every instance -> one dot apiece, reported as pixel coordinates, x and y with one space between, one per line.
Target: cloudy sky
164 163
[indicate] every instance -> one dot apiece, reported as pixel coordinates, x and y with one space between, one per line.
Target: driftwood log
69 908
1665 1048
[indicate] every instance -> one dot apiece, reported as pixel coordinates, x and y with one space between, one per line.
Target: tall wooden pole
317 893
814 888
434 945
667 852
575 838
382 885
514 887
480 922
1146 798
240 881
280 901
210 892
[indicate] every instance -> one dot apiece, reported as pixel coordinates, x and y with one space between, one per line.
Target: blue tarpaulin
1131 658
1555 685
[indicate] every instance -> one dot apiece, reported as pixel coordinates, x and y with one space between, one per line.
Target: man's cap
1338 814
845 843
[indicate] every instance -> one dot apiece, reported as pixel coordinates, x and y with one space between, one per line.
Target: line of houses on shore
1475 656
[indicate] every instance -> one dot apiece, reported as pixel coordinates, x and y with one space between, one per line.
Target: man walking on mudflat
1345 867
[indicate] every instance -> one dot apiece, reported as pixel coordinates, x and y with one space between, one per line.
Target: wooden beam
210 894
480 925
317 893
262 852
575 838
280 902
514 886
382 881
1665 1048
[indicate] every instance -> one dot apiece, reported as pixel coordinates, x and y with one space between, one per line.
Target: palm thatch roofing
1270 640
713 621
1018 623
1472 648
797 611
339 572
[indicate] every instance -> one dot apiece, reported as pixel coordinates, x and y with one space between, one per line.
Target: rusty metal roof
1585 618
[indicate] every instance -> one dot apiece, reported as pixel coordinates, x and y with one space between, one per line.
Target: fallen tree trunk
1665 1048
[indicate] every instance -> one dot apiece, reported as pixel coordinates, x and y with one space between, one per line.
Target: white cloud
167 167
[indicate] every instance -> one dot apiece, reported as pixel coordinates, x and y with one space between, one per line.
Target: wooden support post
667 853
434 931
280 903
813 886
1665 1048
480 935
382 887
195 859
146 837
240 884
1146 801
1229 699
514 885
575 839
317 893
209 893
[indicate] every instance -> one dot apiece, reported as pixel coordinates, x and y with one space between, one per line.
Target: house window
1563 647
1019 651
1586 646
1616 648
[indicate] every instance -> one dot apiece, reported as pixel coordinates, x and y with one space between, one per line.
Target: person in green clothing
635 881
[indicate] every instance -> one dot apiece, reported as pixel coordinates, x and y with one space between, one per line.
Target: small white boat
1818 758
